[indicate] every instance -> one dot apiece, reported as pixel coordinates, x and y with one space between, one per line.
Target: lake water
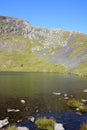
37 91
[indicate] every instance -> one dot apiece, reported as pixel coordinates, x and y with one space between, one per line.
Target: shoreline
69 119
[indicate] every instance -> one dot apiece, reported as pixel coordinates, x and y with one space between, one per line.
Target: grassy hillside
19 54
27 48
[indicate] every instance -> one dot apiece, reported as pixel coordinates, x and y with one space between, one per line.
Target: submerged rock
66 98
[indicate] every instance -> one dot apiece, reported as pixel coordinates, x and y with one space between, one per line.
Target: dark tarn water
37 90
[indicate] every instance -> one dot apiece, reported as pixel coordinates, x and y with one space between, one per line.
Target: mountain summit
24 47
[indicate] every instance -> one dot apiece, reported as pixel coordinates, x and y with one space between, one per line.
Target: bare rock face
15 26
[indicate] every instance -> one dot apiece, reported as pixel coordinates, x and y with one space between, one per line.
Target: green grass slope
19 54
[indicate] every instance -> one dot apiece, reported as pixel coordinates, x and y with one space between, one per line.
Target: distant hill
24 47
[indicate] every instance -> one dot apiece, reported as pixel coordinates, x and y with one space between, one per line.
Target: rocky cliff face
14 26
40 49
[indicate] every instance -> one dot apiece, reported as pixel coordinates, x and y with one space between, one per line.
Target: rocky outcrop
15 26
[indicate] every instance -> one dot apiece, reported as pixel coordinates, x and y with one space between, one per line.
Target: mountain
24 47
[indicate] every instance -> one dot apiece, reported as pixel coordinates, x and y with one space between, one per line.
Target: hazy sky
65 14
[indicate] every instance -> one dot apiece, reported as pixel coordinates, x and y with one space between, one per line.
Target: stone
56 93
77 109
65 95
79 113
31 118
13 110
22 101
58 126
85 90
66 98
4 122
22 128
84 100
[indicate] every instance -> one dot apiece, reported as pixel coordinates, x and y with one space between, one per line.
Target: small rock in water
85 90
19 121
77 109
22 101
37 110
4 122
31 118
78 113
58 126
22 128
13 110
66 98
57 93
65 95
84 100
16 110
71 96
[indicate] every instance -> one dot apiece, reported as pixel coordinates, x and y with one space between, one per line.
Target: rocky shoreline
69 120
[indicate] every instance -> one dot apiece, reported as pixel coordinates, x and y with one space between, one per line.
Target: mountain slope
24 47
